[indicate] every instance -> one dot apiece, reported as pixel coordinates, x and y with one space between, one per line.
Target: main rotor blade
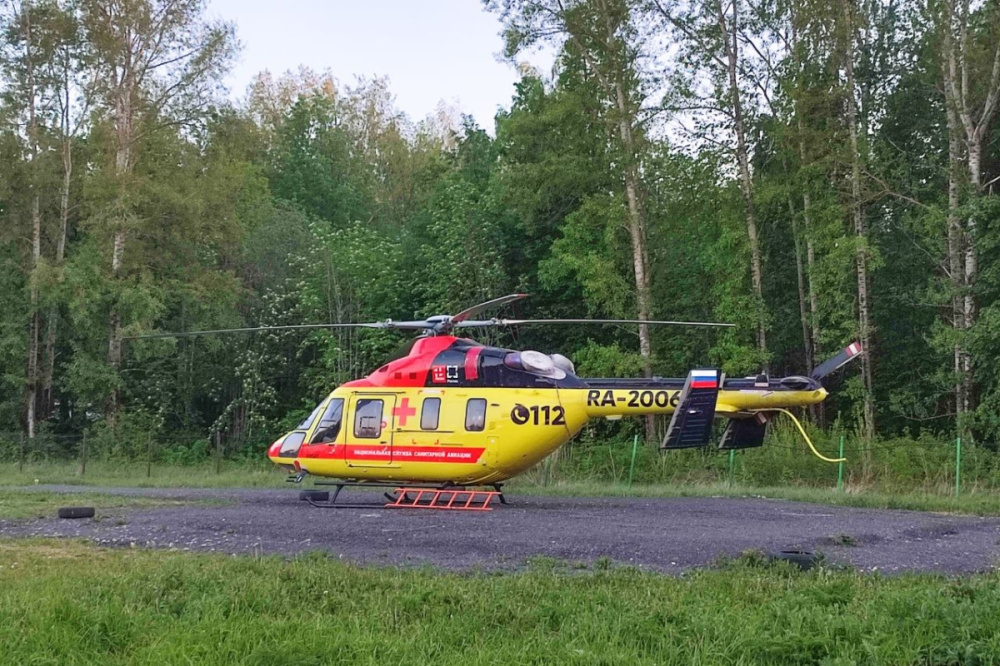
833 364
520 322
476 309
405 325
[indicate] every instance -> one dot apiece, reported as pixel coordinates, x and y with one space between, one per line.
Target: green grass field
64 602
100 473
236 475
69 602
26 504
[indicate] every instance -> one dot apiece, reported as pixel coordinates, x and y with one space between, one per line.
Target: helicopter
449 415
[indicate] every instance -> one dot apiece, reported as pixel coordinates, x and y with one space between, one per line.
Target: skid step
453 499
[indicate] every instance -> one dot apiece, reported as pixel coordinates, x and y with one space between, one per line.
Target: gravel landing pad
669 534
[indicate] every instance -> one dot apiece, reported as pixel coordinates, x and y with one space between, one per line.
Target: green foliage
318 202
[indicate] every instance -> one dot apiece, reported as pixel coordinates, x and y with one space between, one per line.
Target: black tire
314 495
803 559
76 512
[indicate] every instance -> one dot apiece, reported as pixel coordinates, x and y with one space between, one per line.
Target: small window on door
368 419
475 415
430 414
292 442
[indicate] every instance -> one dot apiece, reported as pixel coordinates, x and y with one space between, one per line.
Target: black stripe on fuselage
677 383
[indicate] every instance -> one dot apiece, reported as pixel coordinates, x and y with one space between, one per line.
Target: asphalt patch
665 534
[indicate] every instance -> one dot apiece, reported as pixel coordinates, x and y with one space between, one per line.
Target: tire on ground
803 559
314 495
76 512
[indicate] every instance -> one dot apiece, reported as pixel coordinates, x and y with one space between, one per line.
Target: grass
64 602
250 475
111 474
978 503
15 504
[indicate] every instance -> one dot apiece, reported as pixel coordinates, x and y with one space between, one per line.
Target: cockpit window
309 419
329 424
290 446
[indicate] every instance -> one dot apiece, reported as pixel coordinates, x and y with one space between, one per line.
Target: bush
194 453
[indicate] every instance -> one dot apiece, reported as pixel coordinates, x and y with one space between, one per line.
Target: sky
431 50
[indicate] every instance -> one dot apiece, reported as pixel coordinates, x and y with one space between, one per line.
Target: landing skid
424 496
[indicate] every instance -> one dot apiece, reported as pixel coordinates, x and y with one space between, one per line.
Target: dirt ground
669 534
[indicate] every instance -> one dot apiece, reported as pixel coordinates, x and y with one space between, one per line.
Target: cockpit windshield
329 424
309 419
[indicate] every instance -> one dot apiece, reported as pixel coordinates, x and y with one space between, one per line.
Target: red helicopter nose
274 449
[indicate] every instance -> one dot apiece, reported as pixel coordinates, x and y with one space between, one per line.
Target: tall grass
924 464
68 603
233 474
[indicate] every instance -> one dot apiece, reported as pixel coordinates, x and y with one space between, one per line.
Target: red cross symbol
404 411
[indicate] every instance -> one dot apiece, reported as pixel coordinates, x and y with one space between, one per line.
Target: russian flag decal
704 379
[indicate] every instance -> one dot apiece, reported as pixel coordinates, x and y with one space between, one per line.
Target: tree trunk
34 326
637 234
800 275
52 320
124 118
962 115
819 411
115 337
810 259
969 309
956 268
861 233
746 182
636 213
807 221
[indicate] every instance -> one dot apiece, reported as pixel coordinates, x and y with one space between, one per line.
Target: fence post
732 462
20 461
958 465
631 467
840 466
83 454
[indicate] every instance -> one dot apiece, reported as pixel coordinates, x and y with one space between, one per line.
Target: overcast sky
431 50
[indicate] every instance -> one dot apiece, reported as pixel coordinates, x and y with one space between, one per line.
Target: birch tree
604 35
970 53
22 61
67 74
711 33
858 216
159 63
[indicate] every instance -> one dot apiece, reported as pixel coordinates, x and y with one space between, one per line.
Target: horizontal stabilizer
833 364
691 424
744 433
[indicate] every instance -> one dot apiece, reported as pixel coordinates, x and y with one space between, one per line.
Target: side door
369 430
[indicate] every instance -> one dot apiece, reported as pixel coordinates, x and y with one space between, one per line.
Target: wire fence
923 464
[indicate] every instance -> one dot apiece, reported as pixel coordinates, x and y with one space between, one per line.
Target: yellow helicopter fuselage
470 435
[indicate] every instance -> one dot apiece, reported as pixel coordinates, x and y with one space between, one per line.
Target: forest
813 172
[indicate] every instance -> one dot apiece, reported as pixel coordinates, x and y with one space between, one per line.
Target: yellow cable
804 435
